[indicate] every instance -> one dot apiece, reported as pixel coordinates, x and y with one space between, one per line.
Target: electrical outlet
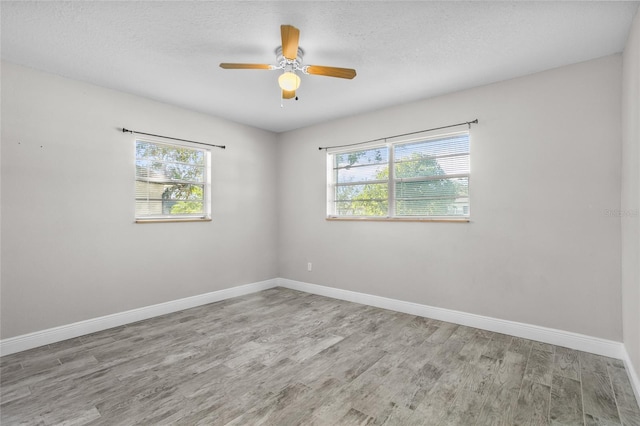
309 266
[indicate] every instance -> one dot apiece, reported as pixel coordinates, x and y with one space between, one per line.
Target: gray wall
70 248
540 248
631 194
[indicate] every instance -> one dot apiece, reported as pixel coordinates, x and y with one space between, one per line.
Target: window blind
172 181
426 177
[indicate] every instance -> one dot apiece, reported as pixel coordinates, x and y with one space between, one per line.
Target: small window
419 178
172 182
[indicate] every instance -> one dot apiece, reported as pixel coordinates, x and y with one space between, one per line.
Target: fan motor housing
280 58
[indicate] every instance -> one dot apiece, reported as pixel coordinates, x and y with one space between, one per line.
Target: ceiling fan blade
288 94
229 66
331 71
290 38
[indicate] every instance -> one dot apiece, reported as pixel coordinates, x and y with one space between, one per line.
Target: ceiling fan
289 59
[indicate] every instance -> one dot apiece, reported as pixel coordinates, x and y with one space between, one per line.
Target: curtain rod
168 137
468 123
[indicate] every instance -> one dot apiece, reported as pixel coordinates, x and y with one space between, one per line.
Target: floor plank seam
615 398
526 366
584 413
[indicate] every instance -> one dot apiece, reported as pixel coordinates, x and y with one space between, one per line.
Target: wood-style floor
282 357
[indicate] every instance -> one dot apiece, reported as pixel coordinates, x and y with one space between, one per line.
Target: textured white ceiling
403 51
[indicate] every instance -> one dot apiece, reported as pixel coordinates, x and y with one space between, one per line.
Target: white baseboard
69 331
542 334
533 332
633 375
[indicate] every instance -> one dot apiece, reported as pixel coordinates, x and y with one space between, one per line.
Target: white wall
540 249
631 194
70 248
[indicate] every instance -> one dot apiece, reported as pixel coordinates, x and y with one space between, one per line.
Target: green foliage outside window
170 179
422 187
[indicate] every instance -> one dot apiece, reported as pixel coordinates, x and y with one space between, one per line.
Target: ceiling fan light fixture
289 60
289 81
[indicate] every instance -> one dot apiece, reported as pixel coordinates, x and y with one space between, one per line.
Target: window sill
399 219
191 219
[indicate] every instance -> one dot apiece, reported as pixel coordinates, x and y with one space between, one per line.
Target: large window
419 178
172 182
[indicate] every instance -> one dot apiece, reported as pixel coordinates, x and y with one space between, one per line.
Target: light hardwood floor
282 357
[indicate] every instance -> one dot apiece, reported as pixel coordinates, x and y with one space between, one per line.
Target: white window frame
391 200
187 217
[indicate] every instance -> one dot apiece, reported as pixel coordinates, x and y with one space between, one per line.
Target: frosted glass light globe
289 81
